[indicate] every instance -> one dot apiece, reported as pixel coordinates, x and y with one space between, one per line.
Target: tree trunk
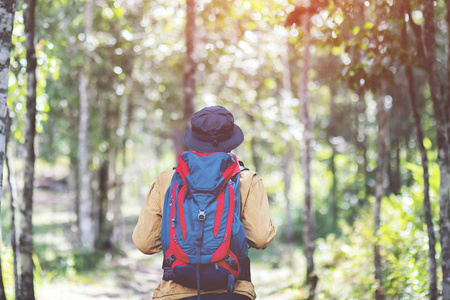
87 237
13 205
190 68
103 234
361 120
287 158
439 102
118 217
7 9
379 193
26 232
308 210
287 175
126 116
433 293
331 134
447 5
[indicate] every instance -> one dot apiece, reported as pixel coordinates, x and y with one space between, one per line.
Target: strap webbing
201 223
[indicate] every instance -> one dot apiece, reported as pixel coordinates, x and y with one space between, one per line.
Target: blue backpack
202 237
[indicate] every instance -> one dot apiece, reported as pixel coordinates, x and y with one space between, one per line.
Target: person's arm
255 213
147 233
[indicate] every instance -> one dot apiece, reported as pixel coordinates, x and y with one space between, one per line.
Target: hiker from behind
205 214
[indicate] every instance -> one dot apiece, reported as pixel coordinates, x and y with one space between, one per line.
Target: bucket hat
213 130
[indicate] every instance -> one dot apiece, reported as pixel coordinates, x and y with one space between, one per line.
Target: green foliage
404 243
248 61
8 271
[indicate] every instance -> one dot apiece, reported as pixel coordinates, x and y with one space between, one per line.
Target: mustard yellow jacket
255 217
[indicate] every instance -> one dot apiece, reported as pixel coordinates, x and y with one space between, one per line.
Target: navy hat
213 130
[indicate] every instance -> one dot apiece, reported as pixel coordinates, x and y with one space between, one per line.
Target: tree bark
126 113
190 67
361 120
432 265
439 108
331 134
308 210
26 232
103 234
287 175
288 155
87 237
433 294
7 9
13 205
379 193
447 5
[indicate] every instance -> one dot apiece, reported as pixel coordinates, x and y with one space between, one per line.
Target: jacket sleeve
147 233
255 214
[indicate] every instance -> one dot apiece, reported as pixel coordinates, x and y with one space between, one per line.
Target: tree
190 68
302 17
13 205
379 194
426 55
406 57
304 98
7 9
26 233
86 222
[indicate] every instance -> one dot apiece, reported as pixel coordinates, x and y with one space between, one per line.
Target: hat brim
222 146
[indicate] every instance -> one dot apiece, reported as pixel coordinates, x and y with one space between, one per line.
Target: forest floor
131 275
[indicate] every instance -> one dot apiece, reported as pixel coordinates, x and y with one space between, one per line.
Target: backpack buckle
168 273
231 262
170 259
201 215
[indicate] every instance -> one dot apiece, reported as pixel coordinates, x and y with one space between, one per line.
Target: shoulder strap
242 166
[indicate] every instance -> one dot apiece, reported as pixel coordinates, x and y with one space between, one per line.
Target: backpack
202 237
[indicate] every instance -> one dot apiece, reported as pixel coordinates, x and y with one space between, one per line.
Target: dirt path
132 276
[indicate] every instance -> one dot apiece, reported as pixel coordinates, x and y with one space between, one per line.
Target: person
212 130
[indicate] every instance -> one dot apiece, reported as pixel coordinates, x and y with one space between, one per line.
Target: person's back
196 214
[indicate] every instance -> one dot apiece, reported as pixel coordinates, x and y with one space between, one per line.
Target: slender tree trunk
74 182
288 155
26 232
118 217
308 210
190 67
439 102
331 133
420 136
287 175
103 234
362 141
393 166
126 116
379 193
447 5
361 120
87 236
13 205
433 294
7 9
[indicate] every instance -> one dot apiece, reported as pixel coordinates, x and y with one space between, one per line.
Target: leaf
368 26
427 143
336 50
356 30
270 83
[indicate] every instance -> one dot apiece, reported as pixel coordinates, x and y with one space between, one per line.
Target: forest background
345 109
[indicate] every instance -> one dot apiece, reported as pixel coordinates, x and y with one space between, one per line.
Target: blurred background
343 103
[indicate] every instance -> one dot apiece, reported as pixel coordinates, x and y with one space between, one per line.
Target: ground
131 275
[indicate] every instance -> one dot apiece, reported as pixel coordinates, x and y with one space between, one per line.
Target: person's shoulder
165 176
249 177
